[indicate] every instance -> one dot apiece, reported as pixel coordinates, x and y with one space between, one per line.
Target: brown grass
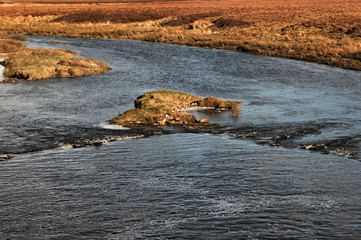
8 46
322 31
36 64
13 37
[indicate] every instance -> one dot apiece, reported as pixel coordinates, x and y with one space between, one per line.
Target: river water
287 167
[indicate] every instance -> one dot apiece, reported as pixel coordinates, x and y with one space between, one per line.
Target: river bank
322 32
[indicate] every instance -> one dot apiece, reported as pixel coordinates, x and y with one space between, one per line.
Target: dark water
220 183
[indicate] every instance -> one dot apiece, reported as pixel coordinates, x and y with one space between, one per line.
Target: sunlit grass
36 64
322 31
8 46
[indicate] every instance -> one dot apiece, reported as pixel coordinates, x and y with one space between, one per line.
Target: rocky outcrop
5 157
168 108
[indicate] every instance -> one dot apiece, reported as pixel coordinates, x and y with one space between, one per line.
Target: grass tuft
36 64
13 37
169 98
8 46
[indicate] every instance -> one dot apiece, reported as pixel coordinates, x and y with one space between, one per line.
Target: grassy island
322 31
168 108
23 63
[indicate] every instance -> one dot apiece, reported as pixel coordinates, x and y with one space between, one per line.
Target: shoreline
223 46
311 32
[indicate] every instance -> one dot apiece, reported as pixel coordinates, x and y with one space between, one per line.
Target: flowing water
288 166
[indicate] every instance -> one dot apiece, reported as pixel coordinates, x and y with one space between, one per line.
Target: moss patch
153 116
166 107
171 99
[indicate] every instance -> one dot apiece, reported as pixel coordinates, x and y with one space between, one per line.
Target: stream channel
288 166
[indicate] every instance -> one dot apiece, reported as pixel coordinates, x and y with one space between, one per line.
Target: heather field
322 31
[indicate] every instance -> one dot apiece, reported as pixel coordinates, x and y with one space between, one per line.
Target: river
288 166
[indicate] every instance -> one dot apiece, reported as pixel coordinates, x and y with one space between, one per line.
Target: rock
5 157
204 120
162 121
309 147
275 144
97 143
77 146
193 104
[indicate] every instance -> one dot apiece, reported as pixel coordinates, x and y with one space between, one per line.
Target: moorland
321 31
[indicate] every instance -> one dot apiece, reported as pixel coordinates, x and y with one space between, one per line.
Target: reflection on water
225 118
261 174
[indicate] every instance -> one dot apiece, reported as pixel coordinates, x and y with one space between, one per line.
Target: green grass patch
167 107
169 98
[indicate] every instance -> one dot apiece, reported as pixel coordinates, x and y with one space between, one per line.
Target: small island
24 63
169 108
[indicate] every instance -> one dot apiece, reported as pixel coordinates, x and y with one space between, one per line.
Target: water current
287 167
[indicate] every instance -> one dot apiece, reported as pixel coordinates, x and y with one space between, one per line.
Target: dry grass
13 37
36 64
322 31
8 46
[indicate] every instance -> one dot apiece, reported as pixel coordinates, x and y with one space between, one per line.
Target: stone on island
168 108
